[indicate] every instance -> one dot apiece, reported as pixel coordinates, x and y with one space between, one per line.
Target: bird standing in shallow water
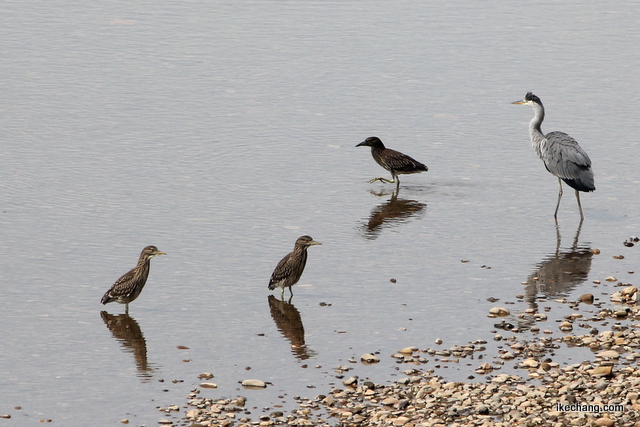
392 160
290 268
561 154
128 287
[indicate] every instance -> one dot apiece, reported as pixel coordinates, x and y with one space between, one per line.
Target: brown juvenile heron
561 154
128 287
392 160
290 268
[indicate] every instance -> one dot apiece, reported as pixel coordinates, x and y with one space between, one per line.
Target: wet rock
604 422
351 382
369 359
252 383
499 311
208 385
586 298
610 354
205 376
566 326
602 371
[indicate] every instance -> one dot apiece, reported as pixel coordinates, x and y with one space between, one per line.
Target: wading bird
290 268
128 287
561 154
392 160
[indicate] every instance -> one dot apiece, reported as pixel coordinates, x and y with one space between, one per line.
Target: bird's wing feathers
401 162
122 285
564 157
281 272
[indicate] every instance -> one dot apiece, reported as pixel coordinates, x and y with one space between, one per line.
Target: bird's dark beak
361 144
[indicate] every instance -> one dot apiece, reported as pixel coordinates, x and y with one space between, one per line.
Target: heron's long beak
313 242
361 144
519 102
159 253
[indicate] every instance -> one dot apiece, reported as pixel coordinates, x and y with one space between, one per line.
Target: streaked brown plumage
392 160
128 287
290 268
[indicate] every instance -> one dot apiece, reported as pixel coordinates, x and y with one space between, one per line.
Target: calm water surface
222 131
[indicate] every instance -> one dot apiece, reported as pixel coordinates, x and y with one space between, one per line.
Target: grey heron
392 160
561 154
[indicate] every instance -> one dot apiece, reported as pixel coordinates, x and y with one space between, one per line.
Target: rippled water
220 132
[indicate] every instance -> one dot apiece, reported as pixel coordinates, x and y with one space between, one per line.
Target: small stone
251 383
353 381
586 298
208 385
369 359
438 341
407 350
611 354
400 421
611 279
629 290
604 422
165 422
124 421
390 401
531 363
602 371
618 257
595 251
392 280
499 311
7 416
205 376
566 326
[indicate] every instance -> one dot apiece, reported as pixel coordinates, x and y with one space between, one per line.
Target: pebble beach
522 382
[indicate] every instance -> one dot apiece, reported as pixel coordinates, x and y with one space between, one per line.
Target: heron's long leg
555 215
291 291
282 293
126 309
579 206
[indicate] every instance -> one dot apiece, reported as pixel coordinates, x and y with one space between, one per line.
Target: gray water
222 131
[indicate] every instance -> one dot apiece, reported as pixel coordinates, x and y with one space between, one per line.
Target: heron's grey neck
537 137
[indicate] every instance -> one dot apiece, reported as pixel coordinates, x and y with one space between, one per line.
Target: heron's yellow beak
313 242
520 102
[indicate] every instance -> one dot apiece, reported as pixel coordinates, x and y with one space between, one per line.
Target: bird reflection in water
561 271
289 323
127 332
390 213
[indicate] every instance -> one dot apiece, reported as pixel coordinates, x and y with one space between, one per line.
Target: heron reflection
390 213
127 332
289 323
561 271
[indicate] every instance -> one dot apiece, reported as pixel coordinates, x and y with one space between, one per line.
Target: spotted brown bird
392 160
128 287
290 268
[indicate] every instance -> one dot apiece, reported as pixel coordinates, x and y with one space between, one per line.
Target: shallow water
221 132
